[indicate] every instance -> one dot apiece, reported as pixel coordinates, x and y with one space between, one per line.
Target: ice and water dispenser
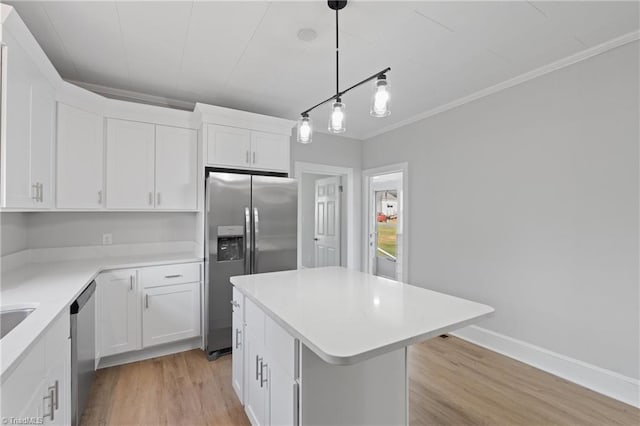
230 243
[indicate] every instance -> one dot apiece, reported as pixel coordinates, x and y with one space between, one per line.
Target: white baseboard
153 352
606 382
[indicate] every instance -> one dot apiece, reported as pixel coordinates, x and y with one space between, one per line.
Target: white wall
527 200
66 229
13 232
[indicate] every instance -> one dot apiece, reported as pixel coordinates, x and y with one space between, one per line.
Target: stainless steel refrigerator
251 227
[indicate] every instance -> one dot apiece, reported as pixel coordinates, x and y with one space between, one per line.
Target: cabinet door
176 168
269 151
27 143
228 146
42 125
119 325
130 164
255 393
237 357
80 159
170 313
58 368
283 397
17 189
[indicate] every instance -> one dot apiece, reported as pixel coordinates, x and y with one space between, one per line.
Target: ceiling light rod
339 94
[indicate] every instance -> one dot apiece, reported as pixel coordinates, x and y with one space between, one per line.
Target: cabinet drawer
157 276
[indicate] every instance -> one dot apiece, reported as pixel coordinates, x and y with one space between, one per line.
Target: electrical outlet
107 239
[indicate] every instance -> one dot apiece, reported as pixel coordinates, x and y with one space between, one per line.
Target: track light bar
339 94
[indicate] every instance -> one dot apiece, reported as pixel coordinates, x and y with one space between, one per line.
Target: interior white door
170 313
119 323
327 222
80 159
228 146
130 165
176 168
269 151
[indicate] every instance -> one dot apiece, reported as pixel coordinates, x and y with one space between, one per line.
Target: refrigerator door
228 228
275 224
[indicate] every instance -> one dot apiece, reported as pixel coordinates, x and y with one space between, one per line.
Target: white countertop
51 287
347 316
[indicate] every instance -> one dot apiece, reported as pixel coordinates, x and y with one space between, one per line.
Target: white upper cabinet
269 151
176 168
151 166
247 149
228 147
130 165
80 159
28 111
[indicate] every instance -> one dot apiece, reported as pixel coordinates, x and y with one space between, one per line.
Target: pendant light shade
305 129
380 102
337 119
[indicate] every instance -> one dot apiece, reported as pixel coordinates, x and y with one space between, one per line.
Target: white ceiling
246 55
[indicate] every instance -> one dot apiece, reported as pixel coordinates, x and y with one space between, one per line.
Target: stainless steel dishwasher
83 350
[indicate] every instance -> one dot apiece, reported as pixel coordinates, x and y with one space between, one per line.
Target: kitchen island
328 345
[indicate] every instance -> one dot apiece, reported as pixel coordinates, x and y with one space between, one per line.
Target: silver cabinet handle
100 197
41 192
246 160
35 192
49 397
55 389
258 360
151 198
263 381
146 301
131 282
173 276
254 157
158 199
238 334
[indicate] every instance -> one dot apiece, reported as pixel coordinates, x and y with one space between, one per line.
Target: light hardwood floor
453 382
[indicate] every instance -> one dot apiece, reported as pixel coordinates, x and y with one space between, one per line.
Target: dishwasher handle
84 297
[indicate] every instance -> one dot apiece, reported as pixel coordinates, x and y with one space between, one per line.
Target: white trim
530 75
404 211
606 382
133 96
323 169
152 352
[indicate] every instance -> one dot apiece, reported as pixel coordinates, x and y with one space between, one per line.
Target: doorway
386 222
325 212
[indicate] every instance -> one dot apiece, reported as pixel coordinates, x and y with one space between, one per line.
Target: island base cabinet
170 313
237 357
373 391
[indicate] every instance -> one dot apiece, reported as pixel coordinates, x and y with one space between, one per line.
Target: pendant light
337 117
305 132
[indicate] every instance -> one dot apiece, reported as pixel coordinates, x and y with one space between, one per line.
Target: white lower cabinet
40 385
237 361
119 322
270 385
145 307
170 313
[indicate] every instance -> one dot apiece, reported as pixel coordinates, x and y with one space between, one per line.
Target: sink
10 318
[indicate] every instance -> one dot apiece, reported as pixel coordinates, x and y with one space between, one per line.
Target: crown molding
522 78
130 95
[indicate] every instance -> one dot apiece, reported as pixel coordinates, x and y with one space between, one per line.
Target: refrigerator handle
247 241
256 234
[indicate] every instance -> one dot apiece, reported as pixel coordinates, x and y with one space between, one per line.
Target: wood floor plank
452 382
